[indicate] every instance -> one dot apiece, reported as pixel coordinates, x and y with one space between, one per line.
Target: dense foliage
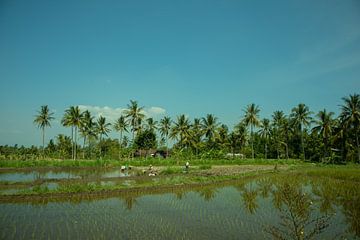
301 134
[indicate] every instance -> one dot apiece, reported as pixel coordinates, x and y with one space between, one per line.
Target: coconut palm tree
87 129
43 120
103 128
325 125
164 129
151 124
209 126
278 120
121 126
181 131
350 116
265 131
301 118
135 114
73 118
252 119
196 133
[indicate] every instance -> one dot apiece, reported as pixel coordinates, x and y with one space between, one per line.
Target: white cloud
111 114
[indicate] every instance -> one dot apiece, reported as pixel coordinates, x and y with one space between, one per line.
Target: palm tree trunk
75 143
302 145
43 140
72 142
357 145
120 145
167 148
265 151
252 142
84 147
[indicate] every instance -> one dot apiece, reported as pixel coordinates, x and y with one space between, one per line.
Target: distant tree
265 131
278 121
103 128
73 118
325 125
151 124
121 126
164 129
301 118
350 117
252 119
87 129
181 130
135 114
145 140
42 120
209 126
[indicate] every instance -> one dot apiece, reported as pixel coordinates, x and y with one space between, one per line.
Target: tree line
299 134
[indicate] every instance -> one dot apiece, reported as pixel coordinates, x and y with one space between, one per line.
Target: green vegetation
300 135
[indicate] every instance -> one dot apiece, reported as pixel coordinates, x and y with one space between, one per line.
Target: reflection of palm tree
207 193
249 199
130 201
295 208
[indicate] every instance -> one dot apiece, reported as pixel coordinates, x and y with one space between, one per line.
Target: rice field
278 205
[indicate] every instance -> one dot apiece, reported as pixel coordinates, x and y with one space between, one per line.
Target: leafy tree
301 118
87 129
43 120
151 124
146 140
278 121
103 128
350 117
252 119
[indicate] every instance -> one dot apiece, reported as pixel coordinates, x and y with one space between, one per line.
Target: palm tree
265 131
43 120
252 119
87 129
325 125
151 124
165 126
135 115
278 121
120 126
301 117
181 131
350 116
209 126
73 118
103 128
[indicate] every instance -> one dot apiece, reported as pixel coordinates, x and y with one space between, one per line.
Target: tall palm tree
209 126
164 129
151 124
135 114
350 116
43 120
325 125
252 119
103 128
73 118
87 129
278 121
181 130
121 126
265 131
301 118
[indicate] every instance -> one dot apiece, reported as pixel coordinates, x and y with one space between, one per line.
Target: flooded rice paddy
278 205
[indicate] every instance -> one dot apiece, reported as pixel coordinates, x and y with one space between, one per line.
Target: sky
190 57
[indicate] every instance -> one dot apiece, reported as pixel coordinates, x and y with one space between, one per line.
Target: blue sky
193 57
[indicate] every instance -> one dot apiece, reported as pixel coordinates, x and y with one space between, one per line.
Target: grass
141 162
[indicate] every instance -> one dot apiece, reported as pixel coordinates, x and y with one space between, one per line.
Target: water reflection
287 207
